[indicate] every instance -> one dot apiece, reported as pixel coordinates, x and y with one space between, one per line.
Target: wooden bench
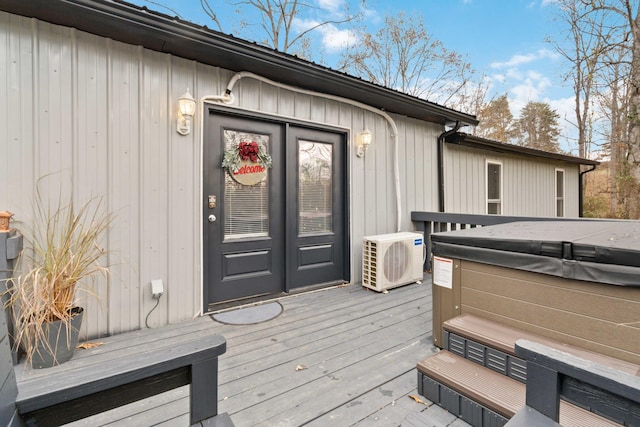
554 372
125 368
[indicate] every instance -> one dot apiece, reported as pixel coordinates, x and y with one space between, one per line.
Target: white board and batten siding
100 116
528 183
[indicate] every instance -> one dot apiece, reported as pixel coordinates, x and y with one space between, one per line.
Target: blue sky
503 39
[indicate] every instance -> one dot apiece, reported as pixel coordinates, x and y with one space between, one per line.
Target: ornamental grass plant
62 252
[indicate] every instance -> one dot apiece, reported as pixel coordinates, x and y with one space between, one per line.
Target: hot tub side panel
595 316
446 304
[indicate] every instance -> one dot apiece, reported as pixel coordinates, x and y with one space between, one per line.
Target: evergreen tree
538 127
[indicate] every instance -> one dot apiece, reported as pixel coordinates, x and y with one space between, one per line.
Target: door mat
249 315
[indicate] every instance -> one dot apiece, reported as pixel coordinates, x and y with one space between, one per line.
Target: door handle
212 218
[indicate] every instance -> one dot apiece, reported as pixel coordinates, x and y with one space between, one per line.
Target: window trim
564 192
486 187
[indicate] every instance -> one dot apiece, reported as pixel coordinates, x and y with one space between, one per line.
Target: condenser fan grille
396 261
390 260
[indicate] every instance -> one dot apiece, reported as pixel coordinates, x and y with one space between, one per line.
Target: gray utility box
10 248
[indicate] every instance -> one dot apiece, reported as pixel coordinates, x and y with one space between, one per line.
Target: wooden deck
337 357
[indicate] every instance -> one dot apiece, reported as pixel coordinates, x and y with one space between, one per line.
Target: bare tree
583 47
613 102
496 120
472 98
605 59
211 13
624 17
402 55
280 26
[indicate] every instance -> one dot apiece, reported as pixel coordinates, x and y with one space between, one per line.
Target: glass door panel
246 206
315 172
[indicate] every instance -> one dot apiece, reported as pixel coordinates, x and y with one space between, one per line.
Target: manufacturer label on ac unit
417 242
443 272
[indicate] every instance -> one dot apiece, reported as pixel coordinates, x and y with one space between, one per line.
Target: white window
494 188
559 192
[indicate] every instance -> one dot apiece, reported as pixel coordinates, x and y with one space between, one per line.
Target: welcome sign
249 173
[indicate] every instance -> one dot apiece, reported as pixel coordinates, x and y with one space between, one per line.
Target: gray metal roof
501 147
136 25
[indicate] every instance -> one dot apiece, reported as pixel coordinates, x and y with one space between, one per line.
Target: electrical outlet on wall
157 288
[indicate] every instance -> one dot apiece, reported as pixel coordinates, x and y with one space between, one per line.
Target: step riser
457 404
488 357
516 368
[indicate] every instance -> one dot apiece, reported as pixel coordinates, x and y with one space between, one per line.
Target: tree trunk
634 122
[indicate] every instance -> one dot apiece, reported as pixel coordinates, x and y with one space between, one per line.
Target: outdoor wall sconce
364 140
186 110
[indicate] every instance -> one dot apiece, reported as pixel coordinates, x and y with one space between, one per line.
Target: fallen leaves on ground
417 399
88 345
300 368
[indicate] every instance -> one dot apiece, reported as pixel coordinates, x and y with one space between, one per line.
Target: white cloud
520 96
566 109
530 88
333 39
514 61
501 78
523 83
514 74
519 59
331 5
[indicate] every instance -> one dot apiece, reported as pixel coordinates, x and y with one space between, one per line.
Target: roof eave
134 25
491 145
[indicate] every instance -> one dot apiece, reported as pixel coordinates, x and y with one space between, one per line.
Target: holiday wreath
243 152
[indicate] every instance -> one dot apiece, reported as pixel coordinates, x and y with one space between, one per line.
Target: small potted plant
5 220
63 251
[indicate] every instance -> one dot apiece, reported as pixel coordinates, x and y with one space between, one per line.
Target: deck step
482 397
492 345
502 338
499 361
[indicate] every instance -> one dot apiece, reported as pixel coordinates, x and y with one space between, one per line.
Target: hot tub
574 281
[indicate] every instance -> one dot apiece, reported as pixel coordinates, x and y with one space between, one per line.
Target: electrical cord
146 320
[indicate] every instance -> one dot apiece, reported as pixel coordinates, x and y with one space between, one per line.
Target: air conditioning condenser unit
391 260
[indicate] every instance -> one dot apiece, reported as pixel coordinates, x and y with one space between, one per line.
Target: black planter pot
62 341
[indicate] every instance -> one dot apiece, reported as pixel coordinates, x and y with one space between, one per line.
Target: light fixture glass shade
364 140
186 110
365 137
187 104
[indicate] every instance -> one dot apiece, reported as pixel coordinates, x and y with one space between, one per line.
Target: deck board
359 350
375 403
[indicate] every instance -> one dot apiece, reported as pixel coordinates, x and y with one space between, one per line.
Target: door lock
212 218
212 202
